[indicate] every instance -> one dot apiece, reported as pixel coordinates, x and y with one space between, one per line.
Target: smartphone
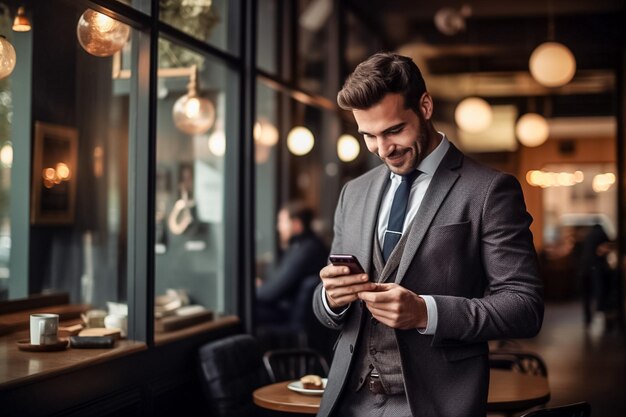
347 260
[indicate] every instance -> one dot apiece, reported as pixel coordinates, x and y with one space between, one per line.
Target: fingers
342 288
382 293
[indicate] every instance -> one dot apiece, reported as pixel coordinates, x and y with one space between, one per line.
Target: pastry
311 382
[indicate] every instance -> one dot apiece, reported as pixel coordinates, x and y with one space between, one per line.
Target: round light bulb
532 129
473 115
101 35
552 64
6 155
348 148
193 115
300 141
265 132
7 57
217 143
63 171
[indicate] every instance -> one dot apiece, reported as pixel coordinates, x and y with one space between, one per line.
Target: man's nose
384 147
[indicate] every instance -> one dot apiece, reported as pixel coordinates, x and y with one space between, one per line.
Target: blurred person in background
304 254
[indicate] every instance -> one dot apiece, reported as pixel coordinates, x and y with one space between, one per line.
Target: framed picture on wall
53 190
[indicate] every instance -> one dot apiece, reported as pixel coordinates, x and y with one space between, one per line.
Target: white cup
117 321
44 328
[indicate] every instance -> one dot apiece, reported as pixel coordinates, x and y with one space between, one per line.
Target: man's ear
426 105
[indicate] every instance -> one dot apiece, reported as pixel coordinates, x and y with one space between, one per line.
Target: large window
75 226
211 21
194 134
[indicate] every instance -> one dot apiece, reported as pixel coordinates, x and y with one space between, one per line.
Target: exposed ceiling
489 57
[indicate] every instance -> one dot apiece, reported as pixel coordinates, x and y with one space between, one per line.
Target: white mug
44 328
117 321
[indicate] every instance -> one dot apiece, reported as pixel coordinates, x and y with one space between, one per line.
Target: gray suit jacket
470 248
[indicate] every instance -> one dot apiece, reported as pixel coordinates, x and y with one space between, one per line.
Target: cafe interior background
145 146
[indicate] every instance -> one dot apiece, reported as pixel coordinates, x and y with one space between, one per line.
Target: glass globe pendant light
552 64
265 133
7 57
300 141
348 148
473 114
192 114
532 130
101 35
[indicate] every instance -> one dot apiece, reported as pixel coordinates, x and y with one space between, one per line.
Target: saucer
297 387
25 345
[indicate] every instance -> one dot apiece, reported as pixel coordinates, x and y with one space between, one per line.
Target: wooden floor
583 364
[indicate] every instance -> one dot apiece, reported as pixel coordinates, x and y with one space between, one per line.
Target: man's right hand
341 288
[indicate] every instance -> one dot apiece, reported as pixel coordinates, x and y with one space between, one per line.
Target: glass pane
142 5
80 116
6 162
193 130
267 39
315 47
211 21
266 150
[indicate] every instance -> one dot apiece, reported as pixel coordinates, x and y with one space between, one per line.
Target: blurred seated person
303 255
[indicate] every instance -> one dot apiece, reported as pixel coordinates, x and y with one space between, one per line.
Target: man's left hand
395 306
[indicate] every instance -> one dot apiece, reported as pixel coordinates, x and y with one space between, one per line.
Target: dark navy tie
397 214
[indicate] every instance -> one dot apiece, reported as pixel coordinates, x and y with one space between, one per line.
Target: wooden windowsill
209 326
19 367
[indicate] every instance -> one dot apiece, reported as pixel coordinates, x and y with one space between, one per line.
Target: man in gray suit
459 270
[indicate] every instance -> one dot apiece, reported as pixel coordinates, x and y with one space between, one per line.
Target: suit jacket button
351 348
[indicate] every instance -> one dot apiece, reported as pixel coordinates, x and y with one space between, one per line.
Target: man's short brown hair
380 74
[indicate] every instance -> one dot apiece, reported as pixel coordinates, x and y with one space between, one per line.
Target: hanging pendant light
193 114
7 57
473 115
6 154
348 148
532 130
300 141
217 142
101 35
265 133
21 22
552 64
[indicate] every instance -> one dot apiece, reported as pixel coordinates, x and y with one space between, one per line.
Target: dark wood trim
33 302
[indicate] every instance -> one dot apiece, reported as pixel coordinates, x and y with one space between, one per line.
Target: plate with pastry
309 385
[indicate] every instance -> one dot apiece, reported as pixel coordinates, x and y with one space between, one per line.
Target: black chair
287 364
232 368
524 362
582 409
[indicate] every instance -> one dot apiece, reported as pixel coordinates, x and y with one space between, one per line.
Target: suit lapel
443 180
370 215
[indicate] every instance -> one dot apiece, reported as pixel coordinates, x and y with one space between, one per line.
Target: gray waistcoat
378 348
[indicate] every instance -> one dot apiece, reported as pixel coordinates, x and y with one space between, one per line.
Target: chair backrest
232 368
287 364
524 362
582 409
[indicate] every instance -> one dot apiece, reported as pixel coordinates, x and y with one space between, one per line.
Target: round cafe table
508 392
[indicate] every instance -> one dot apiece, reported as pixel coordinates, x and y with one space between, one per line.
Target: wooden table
508 392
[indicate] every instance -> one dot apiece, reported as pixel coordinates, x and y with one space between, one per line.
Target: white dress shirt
428 166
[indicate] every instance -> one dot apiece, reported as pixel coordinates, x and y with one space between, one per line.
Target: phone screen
347 260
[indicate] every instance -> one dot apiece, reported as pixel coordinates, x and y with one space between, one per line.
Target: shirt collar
430 164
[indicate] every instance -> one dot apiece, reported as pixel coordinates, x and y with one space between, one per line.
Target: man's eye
394 131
